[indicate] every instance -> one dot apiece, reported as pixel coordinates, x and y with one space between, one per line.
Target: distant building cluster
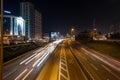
52 36
26 27
114 32
114 28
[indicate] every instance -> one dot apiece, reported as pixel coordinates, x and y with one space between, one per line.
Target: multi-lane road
69 61
73 61
28 66
99 66
62 66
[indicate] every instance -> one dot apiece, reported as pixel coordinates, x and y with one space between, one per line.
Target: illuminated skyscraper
27 11
13 25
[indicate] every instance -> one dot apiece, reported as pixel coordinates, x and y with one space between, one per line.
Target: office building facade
27 11
38 25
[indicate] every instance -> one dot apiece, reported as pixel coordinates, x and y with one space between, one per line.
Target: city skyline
62 15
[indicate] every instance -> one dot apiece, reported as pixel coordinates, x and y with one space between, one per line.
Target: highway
63 60
73 61
62 66
28 66
99 66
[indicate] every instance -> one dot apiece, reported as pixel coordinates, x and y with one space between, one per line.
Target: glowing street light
94 29
72 32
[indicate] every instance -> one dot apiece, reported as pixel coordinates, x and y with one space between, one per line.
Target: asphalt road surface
99 66
73 61
62 65
28 66
69 60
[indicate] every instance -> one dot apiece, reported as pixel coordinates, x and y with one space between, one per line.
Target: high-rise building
27 11
38 25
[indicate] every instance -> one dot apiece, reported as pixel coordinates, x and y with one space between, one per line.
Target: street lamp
72 32
58 35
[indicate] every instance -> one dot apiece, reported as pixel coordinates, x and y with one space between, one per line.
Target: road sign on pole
1 37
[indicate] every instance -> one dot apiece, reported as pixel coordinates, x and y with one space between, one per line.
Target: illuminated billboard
53 35
19 26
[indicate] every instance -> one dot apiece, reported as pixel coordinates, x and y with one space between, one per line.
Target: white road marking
62 68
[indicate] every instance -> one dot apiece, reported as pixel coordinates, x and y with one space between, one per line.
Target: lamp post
1 37
72 32
58 35
94 33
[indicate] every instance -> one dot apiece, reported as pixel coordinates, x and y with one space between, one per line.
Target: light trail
38 60
27 74
21 74
103 60
42 60
106 68
9 73
34 57
29 58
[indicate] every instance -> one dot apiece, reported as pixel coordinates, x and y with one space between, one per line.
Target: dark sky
61 15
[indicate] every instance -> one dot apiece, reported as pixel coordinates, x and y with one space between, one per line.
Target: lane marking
63 68
63 76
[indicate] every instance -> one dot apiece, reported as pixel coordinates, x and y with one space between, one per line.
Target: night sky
62 15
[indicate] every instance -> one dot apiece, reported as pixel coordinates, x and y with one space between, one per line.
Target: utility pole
1 37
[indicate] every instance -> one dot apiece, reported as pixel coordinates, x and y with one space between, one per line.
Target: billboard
54 35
